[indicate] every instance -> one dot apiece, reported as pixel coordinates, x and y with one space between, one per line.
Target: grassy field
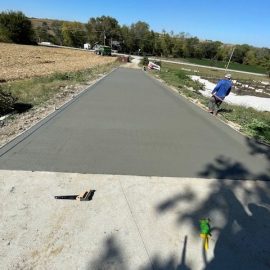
211 72
34 74
221 64
253 123
34 95
37 90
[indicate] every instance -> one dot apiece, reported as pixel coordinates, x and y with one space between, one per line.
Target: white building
87 46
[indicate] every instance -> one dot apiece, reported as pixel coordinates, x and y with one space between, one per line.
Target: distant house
87 46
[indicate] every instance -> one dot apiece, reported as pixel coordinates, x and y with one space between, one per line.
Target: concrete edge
138 177
26 133
177 94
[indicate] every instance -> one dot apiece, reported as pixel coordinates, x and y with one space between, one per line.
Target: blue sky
238 21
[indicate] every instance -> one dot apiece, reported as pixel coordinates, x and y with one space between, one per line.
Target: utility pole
104 35
230 59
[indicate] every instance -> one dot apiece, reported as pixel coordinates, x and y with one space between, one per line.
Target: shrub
4 36
257 128
181 75
267 67
6 102
16 27
145 61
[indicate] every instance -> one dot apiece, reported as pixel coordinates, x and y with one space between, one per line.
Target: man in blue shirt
222 89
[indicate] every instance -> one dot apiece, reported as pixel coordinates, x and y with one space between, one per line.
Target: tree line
137 38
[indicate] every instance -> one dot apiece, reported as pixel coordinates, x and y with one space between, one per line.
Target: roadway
130 124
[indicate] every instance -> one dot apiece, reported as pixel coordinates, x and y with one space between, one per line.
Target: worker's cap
228 76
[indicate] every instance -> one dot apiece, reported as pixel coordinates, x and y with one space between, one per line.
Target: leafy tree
56 27
198 51
100 27
223 52
42 32
267 66
152 38
74 34
126 39
210 49
191 47
4 35
16 27
262 56
250 58
142 37
240 53
177 49
166 44
157 48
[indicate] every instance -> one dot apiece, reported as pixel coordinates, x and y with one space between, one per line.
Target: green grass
253 123
181 81
221 64
211 72
38 90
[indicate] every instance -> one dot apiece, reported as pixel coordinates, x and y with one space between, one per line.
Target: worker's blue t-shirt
222 89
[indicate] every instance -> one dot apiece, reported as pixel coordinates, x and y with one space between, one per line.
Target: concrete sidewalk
132 222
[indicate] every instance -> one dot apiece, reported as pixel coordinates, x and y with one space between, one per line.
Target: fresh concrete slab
130 124
132 222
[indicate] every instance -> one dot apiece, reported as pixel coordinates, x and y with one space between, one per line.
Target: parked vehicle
103 50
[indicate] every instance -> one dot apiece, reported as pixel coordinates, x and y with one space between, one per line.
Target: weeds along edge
42 122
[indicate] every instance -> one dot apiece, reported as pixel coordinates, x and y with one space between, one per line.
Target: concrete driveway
130 124
137 144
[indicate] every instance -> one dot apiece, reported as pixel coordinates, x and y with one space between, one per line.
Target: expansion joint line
134 220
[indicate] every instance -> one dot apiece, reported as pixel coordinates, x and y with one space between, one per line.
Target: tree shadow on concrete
170 263
112 257
243 239
226 168
170 203
257 148
241 229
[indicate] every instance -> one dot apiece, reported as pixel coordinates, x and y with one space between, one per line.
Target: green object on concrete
205 227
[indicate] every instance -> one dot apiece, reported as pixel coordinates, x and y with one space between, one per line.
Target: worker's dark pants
214 104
